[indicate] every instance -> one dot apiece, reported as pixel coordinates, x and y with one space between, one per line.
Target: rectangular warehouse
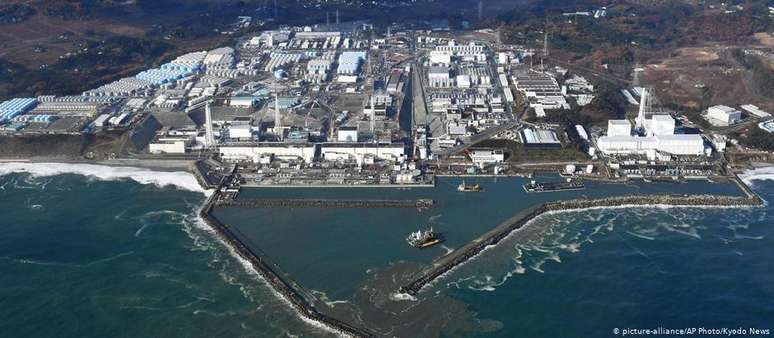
349 62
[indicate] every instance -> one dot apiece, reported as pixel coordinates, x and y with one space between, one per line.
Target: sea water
97 251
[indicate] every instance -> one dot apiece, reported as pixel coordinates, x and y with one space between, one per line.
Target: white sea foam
248 267
574 247
402 296
758 174
179 179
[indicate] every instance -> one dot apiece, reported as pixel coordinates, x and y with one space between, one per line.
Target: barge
534 186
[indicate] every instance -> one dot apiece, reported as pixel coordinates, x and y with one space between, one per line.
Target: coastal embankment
280 285
322 203
493 237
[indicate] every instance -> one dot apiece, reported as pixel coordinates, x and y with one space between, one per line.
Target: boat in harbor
569 185
423 239
469 188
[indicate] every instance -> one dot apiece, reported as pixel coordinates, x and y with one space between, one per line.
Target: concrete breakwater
496 235
299 303
323 203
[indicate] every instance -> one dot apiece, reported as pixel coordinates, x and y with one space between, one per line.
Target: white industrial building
347 134
754 110
359 151
240 132
439 77
660 125
254 152
723 115
671 144
619 128
349 62
482 157
171 141
660 138
453 48
242 101
463 81
438 57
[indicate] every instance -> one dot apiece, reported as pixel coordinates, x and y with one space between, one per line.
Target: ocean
91 251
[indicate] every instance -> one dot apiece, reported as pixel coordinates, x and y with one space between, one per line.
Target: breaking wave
759 174
550 236
179 179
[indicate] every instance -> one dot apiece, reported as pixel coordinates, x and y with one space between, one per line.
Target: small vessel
423 239
469 188
553 186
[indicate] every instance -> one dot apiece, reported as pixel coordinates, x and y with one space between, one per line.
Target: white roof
681 137
724 108
619 122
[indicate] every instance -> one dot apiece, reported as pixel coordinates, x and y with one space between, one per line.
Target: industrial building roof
539 136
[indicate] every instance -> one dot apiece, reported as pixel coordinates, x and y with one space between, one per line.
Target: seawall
281 286
323 203
500 232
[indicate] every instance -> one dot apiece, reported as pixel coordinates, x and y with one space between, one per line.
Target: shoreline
150 164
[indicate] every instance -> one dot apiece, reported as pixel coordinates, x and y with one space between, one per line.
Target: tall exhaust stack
373 114
640 122
636 75
545 44
277 118
209 136
337 17
275 9
480 10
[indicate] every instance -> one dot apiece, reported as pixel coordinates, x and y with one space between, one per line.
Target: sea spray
179 179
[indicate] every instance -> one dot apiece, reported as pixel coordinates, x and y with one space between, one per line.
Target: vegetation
759 139
16 13
517 152
763 76
97 63
607 104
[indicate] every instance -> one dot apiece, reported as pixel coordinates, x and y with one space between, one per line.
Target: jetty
322 203
493 237
274 279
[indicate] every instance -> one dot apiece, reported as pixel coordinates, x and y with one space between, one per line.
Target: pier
321 203
502 231
284 288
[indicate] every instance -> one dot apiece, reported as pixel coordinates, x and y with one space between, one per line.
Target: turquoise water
86 257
